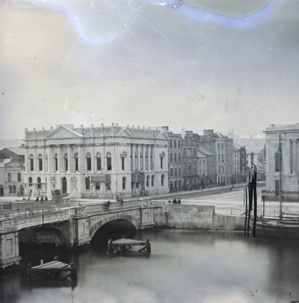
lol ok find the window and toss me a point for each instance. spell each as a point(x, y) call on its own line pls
point(161, 162)
point(40, 162)
point(39, 184)
point(147, 180)
point(76, 162)
point(87, 183)
point(14, 189)
point(123, 163)
point(31, 162)
point(170, 143)
point(218, 146)
point(19, 177)
point(179, 144)
point(175, 172)
point(162, 179)
point(180, 172)
point(88, 161)
point(170, 157)
point(99, 161)
point(109, 161)
point(124, 183)
point(175, 157)
point(171, 171)
point(174, 143)
point(179, 157)
point(56, 162)
point(277, 162)
point(153, 180)
point(66, 163)
point(98, 185)
point(10, 189)
point(9, 177)
point(30, 181)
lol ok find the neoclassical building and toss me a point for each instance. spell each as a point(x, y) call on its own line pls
point(89, 162)
point(286, 136)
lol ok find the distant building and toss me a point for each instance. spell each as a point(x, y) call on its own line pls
point(11, 178)
point(222, 147)
point(175, 162)
point(13, 153)
point(190, 144)
point(289, 161)
point(104, 162)
point(243, 163)
point(207, 167)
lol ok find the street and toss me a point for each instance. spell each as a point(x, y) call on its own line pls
point(233, 203)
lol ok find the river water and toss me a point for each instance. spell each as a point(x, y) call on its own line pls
point(185, 266)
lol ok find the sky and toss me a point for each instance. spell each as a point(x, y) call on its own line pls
point(198, 64)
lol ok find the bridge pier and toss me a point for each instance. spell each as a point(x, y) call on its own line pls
point(9, 245)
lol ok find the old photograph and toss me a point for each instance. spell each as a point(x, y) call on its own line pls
point(149, 151)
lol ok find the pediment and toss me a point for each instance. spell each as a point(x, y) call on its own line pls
point(163, 135)
point(63, 133)
point(124, 133)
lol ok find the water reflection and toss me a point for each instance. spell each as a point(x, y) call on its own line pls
point(185, 266)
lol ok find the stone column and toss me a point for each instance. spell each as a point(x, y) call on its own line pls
point(70, 158)
point(50, 155)
point(149, 156)
point(133, 156)
point(138, 157)
point(143, 151)
point(59, 158)
point(93, 160)
point(80, 166)
point(295, 157)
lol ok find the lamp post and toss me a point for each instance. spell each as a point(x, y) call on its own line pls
point(280, 181)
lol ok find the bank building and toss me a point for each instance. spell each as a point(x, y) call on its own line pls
point(96, 162)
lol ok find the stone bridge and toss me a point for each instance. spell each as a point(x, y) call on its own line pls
point(76, 226)
point(69, 226)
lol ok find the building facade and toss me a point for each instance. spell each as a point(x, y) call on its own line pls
point(285, 137)
point(104, 162)
point(190, 159)
point(11, 178)
point(175, 162)
point(222, 147)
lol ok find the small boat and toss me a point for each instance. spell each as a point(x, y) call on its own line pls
point(52, 271)
point(124, 246)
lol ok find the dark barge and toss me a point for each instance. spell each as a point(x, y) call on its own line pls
point(126, 246)
point(52, 271)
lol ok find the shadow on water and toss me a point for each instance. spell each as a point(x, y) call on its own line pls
point(112, 230)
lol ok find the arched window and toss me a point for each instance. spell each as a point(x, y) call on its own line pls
point(153, 180)
point(31, 162)
point(99, 161)
point(109, 161)
point(87, 183)
point(124, 183)
point(39, 183)
point(14, 189)
point(30, 181)
point(88, 161)
point(162, 180)
point(40, 162)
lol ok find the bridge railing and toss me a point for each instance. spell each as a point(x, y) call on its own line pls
point(38, 217)
point(117, 206)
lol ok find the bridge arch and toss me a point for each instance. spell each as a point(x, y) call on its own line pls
point(122, 218)
point(42, 234)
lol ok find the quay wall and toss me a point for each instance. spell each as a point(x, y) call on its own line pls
point(196, 217)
